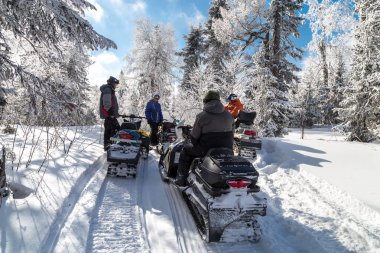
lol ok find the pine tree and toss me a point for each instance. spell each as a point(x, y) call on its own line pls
point(192, 54)
point(361, 111)
point(216, 51)
point(331, 23)
point(283, 22)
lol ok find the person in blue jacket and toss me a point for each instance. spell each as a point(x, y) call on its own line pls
point(154, 117)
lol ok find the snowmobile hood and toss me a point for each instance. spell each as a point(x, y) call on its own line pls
point(214, 106)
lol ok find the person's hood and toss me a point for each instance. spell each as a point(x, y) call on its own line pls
point(105, 86)
point(214, 106)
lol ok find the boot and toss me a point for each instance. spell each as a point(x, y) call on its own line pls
point(180, 181)
point(181, 174)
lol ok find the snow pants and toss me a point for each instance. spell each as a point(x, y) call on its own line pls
point(111, 126)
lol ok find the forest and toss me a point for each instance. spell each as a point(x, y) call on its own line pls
point(245, 47)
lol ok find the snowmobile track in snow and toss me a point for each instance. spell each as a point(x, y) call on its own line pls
point(116, 225)
point(188, 237)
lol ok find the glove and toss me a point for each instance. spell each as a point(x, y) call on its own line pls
point(110, 114)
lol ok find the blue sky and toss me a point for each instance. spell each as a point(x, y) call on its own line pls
point(115, 20)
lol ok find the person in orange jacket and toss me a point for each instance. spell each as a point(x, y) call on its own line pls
point(234, 106)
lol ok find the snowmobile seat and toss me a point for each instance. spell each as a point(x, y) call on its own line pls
point(247, 117)
point(167, 126)
point(220, 165)
point(131, 125)
point(216, 152)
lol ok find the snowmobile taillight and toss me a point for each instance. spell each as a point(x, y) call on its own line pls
point(250, 133)
point(172, 138)
point(239, 183)
point(126, 136)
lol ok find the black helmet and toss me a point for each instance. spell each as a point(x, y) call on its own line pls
point(112, 80)
point(232, 97)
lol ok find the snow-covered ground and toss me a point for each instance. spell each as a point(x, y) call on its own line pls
point(322, 197)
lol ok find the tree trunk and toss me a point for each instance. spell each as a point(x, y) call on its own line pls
point(3, 178)
point(322, 49)
point(276, 39)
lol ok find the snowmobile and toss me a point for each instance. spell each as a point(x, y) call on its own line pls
point(166, 135)
point(128, 145)
point(246, 141)
point(221, 192)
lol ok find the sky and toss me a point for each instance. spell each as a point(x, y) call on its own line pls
point(115, 20)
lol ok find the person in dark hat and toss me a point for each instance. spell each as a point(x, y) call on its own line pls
point(213, 128)
point(109, 109)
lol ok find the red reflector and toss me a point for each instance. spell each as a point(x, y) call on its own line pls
point(125, 136)
point(250, 132)
point(172, 138)
point(239, 184)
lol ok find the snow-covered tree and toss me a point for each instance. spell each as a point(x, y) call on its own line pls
point(251, 25)
point(243, 23)
point(63, 102)
point(192, 54)
point(332, 24)
point(43, 23)
point(284, 19)
point(217, 52)
point(361, 107)
point(305, 99)
point(151, 62)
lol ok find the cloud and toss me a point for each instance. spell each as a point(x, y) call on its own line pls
point(192, 20)
point(105, 64)
point(133, 8)
point(98, 14)
point(138, 6)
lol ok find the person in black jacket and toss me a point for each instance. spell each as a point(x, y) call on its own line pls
point(213, 128)
point(109, 109)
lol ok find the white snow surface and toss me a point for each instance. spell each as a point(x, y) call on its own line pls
point(322, 196)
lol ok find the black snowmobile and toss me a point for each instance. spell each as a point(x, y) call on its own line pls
point(221, 192)
point(166, 135)
point(128, 145)
point(246, 141)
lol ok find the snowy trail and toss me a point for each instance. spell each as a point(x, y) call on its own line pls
point(304, 213)
point(187, 233)
point(137, 215)
point(156, 216)
point(116, 224)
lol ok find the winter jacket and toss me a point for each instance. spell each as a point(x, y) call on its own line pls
point(213, 128)
point(153, 112)
point(234, 107)
point(108, 105)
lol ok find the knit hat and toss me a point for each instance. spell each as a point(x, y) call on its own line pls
point(112, 80)
point(211, 95)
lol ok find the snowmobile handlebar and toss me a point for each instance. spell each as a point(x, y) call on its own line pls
point(132, 116)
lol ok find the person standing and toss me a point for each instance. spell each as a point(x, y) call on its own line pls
point(154, 117)
point(109, 109)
